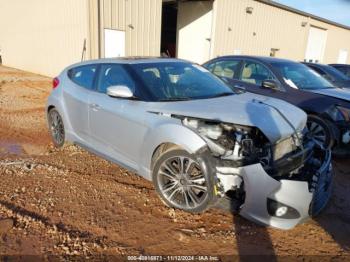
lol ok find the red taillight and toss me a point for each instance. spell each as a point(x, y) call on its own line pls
point(55, 83)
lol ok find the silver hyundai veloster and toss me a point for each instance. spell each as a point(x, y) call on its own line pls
point(202, 144)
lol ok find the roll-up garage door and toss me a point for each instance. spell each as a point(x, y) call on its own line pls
point(316, 44)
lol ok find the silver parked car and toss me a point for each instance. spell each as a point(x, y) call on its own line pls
point(201, 143)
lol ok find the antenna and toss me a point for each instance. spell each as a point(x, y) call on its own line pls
point(84, 51)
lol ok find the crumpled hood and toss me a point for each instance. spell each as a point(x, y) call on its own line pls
point(244, 109)
point(343, 94)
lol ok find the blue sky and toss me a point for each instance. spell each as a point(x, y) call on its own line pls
point(334, 10)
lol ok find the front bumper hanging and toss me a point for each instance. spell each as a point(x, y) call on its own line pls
point(301, 199)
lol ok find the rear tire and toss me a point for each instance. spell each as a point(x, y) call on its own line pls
point(56, 128)
point(320, 131)
point(182, 181)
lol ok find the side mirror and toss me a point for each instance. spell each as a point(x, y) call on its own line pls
point(270, 84)
point(119, 92)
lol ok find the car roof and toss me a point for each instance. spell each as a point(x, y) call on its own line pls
point(316, 64)
point(129, 60)
point(266, 59)
point(339, 65)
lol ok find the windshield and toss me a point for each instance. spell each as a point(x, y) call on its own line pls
point(300, 76)
point(339, 76)
point(173, 81)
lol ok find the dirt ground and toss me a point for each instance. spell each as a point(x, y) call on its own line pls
point(69, 202)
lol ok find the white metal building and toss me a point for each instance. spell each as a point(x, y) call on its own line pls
point(45, 36)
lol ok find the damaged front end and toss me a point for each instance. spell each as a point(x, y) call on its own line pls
point(278, 184)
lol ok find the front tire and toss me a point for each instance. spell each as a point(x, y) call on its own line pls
point(56, 128)
point(182, 181)
point(320, 132)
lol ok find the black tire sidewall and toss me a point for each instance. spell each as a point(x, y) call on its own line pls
point(50, 123)
point(325, 126)
point(205, 169)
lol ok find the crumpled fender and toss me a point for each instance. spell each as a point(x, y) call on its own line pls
point(169, 132)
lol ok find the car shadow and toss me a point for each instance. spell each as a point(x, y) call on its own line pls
point(253, 241)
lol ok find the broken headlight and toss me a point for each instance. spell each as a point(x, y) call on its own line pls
point(283, 148)
point(240, 144)
point(212, 131)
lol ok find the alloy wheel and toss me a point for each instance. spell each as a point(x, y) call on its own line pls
point(56, 127)
point(317, 133)
point(182, 182)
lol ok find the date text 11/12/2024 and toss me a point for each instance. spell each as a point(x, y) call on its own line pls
point(172, 258)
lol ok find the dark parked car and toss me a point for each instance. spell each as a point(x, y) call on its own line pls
point(328, 107)
point(332, 74)
point(344, 68)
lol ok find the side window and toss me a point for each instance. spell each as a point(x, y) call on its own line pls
point(344, 70)
point(113, 75)
point(321, 72)
point(83, 75)
point(256, 73)
point(210, 66)
point(227, 69)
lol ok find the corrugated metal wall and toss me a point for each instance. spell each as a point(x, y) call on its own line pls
point(46, 36)
point(269, 27)
point(94, 38)
point(140, 19)
point(337, 39)
point(255, 34)
point(42, 36)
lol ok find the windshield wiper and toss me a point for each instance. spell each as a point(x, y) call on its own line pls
point(223, 94)
point(174, 99)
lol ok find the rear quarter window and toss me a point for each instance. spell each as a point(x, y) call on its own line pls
point(83, 75)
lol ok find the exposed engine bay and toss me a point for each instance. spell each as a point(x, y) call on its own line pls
point(236, 146)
